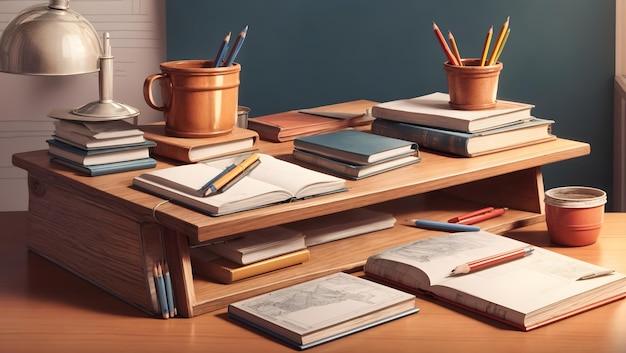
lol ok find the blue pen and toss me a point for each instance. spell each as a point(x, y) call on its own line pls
point(238, 43)
point(207, 188)
point(444, 226)
point(221, 51)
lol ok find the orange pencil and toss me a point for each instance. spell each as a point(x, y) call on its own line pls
point(492, 260)
point(496, 47)
point(483, 58)
point(455, 49)
point(444, 45)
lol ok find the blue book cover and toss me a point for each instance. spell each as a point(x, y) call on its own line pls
point(108, 168)
point(355, 147)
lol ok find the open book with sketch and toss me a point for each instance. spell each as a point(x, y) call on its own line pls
point(526, 293)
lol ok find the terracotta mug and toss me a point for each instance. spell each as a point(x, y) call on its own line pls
point(471, 86)
point(199, 100)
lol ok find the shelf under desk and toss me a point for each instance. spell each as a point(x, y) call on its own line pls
point(109, 233)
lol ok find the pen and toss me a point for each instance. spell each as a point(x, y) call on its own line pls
point(478, 216)
point(238, 43)
point(241, 175)
point(231, 174)
point(492, 260)
point(595, 274)
point(444, 226)
point(209, 183)
point(221, 51)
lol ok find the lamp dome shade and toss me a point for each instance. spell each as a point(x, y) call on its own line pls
point(49, 40)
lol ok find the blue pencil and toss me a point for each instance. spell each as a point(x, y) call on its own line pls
point(160, 289)
point(221, 51)
point(168, 290)
point(238, 43)
point(444, 226)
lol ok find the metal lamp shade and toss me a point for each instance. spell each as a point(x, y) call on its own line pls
point(49, 40)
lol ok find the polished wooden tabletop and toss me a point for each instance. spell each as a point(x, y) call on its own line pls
point(47, 309)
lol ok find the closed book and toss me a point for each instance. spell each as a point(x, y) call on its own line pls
point(100, 156)
point(531, 131)
point(433, 110)
point(526, 293)
point(324, 309)
point(355, 147)
point(354, 171)
point(191, 150)
point(96, 129)
point(272, 181)
point(222, 270)
point(90, 143)
point(289, 125)
point(107, 168)
point(341, 225)
point(257, 245)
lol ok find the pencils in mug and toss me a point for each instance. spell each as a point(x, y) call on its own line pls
point(493, 260)
point(444, 45)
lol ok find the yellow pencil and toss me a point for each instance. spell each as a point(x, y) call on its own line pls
point(483, 58)
point(455, 49)
point(506, 36)
point(496, 47)
point(232, 174)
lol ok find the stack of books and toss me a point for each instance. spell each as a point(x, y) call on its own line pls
point(98, 148)
point(355, 154)
point(430, 122)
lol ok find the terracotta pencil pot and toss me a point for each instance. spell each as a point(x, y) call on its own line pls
point(471, 86)
point(198, 99)
point(574, 214)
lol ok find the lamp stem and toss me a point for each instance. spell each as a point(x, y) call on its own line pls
point(106, 71)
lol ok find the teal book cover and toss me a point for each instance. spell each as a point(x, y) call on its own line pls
point(355, 146)
point(108, 168)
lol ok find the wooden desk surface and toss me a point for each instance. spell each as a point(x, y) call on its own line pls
point(47, 309)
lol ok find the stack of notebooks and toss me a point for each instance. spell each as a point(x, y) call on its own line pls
point(97, 148)
point(355, 154)
point(430, 122)
point(244, 255)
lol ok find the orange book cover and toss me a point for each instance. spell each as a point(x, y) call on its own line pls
point(191, 150)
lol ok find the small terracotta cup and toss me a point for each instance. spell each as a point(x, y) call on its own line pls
point(471, 86)
point(574, 214)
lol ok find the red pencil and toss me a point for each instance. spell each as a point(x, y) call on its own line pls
point(444, 45)
point(483, 217)
point(471, 214)
point(492, 260)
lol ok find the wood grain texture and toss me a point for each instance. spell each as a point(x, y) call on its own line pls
point(47, 309)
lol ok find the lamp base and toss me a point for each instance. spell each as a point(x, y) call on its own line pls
point(103, 111)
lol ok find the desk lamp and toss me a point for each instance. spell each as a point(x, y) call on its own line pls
point(52, 40)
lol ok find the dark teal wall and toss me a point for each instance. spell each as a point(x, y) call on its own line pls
point(560, 56)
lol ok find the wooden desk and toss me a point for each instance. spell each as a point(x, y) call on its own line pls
point(47, 309)
point(111, 233)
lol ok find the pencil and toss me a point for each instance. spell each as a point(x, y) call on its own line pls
point(496, 46)
point(483, 58)
point(444, 45)
point(232, 174)
point(492, 261)
point(221, 51)
point(483, 217)
point(169, 293)
point(160, 290)
point(455, 48)
point(236, 47)
point(506, 36)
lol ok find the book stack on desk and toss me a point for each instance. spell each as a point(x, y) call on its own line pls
point(354, 154)
point(248, 254)
point(97, 148)
point(430, 122)
point(191, 150)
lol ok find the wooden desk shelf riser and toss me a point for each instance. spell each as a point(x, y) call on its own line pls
point(108, 233)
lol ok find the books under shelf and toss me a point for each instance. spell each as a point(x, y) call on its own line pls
point(314, 312)
point(433, 110)
point(523, 133)
point(525, 293)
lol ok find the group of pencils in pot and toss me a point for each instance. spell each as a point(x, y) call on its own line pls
point(454, 56)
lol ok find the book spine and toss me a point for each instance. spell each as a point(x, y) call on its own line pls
point(171, 151)
point(426, 138)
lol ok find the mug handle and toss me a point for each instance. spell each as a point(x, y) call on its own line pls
point(147, 92)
